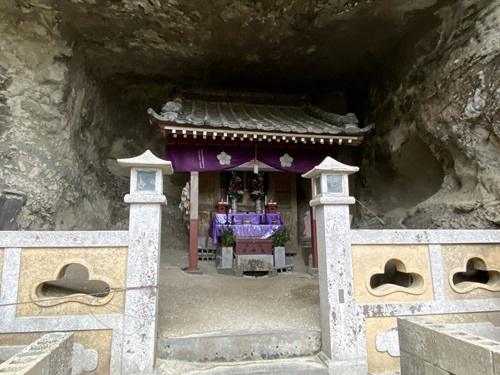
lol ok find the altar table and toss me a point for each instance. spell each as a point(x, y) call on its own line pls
point(259, 226)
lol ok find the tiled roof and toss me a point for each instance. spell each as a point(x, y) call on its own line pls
point(232, 115)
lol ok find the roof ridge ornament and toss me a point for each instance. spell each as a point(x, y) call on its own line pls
point(172, 109)
point(330, 117)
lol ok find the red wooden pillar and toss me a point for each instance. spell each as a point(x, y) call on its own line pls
point(314, 239)
point(193, 223)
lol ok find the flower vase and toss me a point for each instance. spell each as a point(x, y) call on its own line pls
point(234, 205)
point(258, 206)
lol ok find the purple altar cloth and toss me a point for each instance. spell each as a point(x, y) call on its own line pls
point(253, 229)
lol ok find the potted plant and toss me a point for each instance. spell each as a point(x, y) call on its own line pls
point(278, 239)
point(227, 237)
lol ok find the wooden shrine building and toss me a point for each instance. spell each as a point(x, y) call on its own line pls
point(211, 133)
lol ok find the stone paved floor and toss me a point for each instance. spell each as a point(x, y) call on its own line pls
point(209, 303)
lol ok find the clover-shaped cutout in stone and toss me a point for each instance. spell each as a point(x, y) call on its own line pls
point(395, 278)
point(476, 274)
point(71, 284)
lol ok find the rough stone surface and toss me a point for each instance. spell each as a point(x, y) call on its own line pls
point(304, 366)
point(443, 349)
point(286, 302)
point(51, 354)
point(248, 263)
point(432, 161)
point(279, 257)
point(9, 351)
point(484, 329)
point(10, 205)
point(411, 365)
point(342, 324)
point(241, 346)
point(226, 258)
point(49, 151)
point(140, 318)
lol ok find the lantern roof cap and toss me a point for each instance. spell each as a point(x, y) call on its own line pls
point(330, 165)
point(147, 160)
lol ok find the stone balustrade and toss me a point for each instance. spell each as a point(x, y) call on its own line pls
point(101, 285)
point(445, 275)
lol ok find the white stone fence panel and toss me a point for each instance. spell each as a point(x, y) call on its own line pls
point(448, 276)
point(101, 285)
point(368, 278)
point(50, 251)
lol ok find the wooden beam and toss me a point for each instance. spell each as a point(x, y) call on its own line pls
point(193, 223)
point(314, 239)
point(294, 211)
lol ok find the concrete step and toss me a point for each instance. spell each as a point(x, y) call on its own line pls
point(304, 366)
point(241, 346)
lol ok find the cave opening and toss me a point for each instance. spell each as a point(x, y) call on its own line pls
point(127, 83)
point(97, 68)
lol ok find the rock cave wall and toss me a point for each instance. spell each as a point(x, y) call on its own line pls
point(434, 160)
point(50, 148)
point(36, 155)
point(431, 163)
point(61, 131)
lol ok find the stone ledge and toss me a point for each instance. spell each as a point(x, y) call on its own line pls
point(51, 354)
point(241, 346)
point(64, 239)
point(436, 236)
point(434, 348)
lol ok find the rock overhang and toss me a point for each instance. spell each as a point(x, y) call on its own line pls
point(297, 45)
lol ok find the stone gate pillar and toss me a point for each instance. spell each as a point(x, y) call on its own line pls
point(140, 321)
point(342, 325)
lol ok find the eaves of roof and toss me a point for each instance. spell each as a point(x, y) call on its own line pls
point(257, 122)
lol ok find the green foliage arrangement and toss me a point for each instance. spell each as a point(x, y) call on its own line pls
point(280, 237)
point(227, 237)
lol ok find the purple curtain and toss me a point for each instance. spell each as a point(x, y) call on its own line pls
point(191, 158)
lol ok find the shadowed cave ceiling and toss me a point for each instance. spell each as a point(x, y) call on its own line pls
point(271, 44)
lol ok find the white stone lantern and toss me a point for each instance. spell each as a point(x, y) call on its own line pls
point(339, 314)
point(146, 177)
point(330, 182)
point(143, 268)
